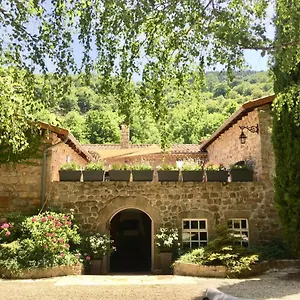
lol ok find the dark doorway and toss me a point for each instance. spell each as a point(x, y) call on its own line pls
point(131, 231)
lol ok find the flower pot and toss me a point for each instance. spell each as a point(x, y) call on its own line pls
point(220, 176)
point(241, 175)
point(192, 176)
point(168, 175)
point(119, 175)
point(165, 262)
point(93, 175)
point(142, 175)
point(69, 175)
point(96, 265)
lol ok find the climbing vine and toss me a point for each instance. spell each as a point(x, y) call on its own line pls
point(286, 122)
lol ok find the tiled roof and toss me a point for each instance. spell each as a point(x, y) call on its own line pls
point(235, 117)
point(176, 148)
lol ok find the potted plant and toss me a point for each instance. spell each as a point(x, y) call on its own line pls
point(119, 172)
point(166, 240)
point(94, 171)
point(70, 172)
point(142, 172)
point(96, 247)
point(242, 172)
point(167, 173)
point(216, 173)
point(192, 171)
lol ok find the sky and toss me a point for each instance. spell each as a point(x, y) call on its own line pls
point(253, 57)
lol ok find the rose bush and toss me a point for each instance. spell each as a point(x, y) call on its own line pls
point(47, 240)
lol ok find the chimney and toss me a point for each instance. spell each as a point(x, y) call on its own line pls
point(125, 139)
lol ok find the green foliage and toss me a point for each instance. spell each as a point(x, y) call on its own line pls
point(215, 167)
point(71, 166)
point(276, 249)
point(176, 43)
point(286, 121)
point(122, 167)
point(46, 241)
point(94, 166)
point(191, 165)
point(224, 250)
point(167, 167)
point(166, 239)
point(95, 246)
point(102, 127)
point(144, 165)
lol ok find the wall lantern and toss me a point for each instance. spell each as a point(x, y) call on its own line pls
point(252, 129)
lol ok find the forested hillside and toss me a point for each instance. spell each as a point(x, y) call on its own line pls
point(94, 117)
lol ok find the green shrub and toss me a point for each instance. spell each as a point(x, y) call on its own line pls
point(46, 241)
point(96, 166)
point(71, 166)
point(276, 249)
point(226, 251)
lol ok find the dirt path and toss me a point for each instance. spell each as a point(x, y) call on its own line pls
point(276, 284)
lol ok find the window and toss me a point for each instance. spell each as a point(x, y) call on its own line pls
point(194, 233)
point(240, 229)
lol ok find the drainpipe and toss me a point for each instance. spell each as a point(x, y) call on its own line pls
point(45, 169)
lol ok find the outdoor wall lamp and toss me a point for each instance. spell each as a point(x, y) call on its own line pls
point(252, 129)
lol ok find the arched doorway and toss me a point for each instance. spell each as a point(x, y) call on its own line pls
point(131, 231)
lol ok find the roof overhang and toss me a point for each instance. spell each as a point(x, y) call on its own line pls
point(71, 141)
point(235, 117)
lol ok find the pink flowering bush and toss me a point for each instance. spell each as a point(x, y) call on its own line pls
point(47, 240)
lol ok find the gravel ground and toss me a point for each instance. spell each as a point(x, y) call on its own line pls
point(276, 284)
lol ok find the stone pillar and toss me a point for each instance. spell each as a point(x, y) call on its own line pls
point(125, 138)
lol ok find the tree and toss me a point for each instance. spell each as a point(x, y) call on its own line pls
point(102, 127)
point(286, 122)
point(16, 114)
point(172, 40)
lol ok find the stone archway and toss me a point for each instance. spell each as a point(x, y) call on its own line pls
point(131, 230)
point(118, 204)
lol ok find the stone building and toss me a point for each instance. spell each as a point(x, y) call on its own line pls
point(132, 212)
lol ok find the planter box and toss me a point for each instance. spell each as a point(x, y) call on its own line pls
point(69, 175)
point(119, 175)
point(93, 175)
point(168, 175)
point(44, 273)
point(220, 176)
point(186, 269)
point(241, 175)
point(192, 175)
point(142, 175)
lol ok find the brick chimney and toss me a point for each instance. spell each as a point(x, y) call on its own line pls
point(125, 138)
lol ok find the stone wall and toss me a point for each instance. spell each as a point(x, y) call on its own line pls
point(227, 148)
point(20, 187)
point(95, 203)
point(58, 156)
point(21, 184)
